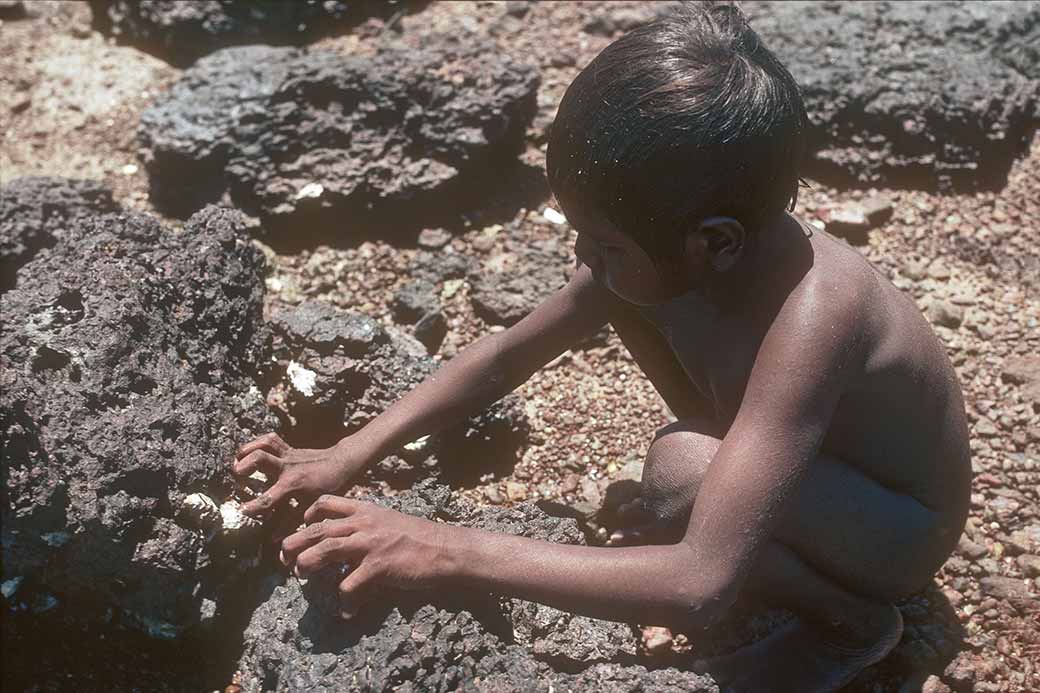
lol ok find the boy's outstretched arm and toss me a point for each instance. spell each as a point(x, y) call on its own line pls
point(483, 373)
point(802, 368)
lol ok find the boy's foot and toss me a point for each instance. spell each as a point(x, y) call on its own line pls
point(806, 659)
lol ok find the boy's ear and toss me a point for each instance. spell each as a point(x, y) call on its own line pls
point(719, 241)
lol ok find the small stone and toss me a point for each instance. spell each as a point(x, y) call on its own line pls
point(915, 270)
point(1029, 565)
point(657, 639)
point(517, 8)
point(1003, 587)
point(414, 300)
point(493, 495)
point(432, 239)
point(933, 684)
point(451, 287)
point(570, 483)
point(970, 549)
point(945, 314)
point(516, 491)
point(986, 428)
point(853, 220)
point(938, 270)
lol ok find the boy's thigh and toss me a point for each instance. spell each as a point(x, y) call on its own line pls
point(863, 535)
point(849, 527)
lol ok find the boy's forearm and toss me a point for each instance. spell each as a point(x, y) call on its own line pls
point(646, 584)
point(466, 384)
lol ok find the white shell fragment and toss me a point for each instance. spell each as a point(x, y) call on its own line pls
point(310, 190)
point(417, 445)
point(302, 379)
point(233, 519)
point(555, 217)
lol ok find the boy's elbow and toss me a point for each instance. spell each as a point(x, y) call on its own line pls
point(707, 608)
point(703, 600)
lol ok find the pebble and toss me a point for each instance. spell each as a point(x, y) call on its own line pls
point(657, 639)
point(516, 491)
point(970, 549)
point(431, 239)
point(1004, 587)
point(944, 313)
point(1029, 565)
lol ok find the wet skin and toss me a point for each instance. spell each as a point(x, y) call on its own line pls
point(820, 460)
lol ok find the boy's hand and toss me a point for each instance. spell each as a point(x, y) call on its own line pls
point(376, 544)
point(301, 473)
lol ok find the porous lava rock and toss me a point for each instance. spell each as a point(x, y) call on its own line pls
point(187, 135)
point(929, 95)
point(448, 641)
point(513, 283)
point(36, 211)
point(127, 365)
point(327, 143)
point(182, 32)
point(342, 369)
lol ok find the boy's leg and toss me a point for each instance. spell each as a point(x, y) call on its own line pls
point(846, 550)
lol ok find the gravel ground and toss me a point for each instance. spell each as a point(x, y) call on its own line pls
point(69, 103)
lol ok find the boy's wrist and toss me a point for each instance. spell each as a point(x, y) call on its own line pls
point(458, 549)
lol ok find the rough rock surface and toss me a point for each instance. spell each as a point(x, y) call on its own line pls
point(126, 381)
point(187, 135)
point(325, 142)
point(181, 32)
point(521, 278)
point(342, 369)
point(36, 211)
point(477, 642)
point(919, 94)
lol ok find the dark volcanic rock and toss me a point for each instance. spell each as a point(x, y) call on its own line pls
point(911, 94)
point(525, 276)
point(436, 267)
point(464, 641)
point(343, 369)
point(187, 135)
point(414, 300)
point(344, 136)
point(181, 32)
point(324, 142)
point(127, 366)
point(36, 212)
point(12, 9)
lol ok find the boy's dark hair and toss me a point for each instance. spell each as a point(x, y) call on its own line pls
point(686, 117)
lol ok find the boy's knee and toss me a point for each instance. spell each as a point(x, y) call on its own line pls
point(675, 465)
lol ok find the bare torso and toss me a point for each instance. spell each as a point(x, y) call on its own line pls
point(901, 419)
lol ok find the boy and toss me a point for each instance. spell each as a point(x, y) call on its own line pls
point(820, 460)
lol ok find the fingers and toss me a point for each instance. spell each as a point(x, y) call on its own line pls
point(271, 442)
point(300, 541)
point(268, 500)
point(331, 551)
point(329, 507)
point(258, 460)
point(357, 589)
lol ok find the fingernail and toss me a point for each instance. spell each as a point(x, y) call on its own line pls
point(281, 557)
point(296, 571)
